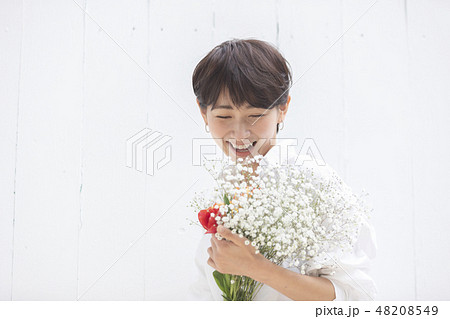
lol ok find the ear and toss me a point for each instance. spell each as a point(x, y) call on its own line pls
point(202, 111)
point(283, 110)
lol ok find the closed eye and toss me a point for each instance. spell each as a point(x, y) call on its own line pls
point(226, 117)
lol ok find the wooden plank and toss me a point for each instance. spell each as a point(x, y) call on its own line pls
point(11, 38)
point(48, 153)
point(115, 108)
point(309, 35)
point(429, 48)
point(377, 137)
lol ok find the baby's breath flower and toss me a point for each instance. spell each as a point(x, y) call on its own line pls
point(287, 212)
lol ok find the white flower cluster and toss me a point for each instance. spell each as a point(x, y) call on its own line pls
point(287, 212)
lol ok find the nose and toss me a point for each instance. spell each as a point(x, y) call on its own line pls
point(241, 130)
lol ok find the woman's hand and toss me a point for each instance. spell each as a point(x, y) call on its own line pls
point(232, 256)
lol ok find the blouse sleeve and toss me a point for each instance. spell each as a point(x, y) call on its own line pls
point(351, 278)
point(199, 288)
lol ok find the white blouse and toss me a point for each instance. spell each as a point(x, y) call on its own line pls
point(351, 278)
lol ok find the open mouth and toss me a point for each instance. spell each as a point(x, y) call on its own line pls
point(243, 151)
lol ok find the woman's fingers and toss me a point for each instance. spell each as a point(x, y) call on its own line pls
point(227, 235)
point(210, 251)
point(211, 263)
point(213, 242)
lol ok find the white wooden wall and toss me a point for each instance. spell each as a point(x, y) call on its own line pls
point(76, 222)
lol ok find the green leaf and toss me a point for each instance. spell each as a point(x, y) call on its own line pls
point(225, 199)
point(221, 281)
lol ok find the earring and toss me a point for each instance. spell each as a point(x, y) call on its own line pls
point(207, 130)
point(281, 126)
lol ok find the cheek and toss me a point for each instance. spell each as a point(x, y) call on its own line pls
point(218, 128)
point(265, 126)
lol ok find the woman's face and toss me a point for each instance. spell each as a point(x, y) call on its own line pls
point(253, 129)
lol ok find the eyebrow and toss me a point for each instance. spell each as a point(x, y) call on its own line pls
point(229, 107)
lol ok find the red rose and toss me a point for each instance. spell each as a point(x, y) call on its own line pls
point(209, 222)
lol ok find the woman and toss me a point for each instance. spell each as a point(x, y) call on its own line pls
point(242, 90)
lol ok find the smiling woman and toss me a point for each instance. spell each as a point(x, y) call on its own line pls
point(242, 91)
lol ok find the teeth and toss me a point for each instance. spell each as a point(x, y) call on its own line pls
point(242, 147)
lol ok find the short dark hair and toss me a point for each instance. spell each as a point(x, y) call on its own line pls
point(251, 70)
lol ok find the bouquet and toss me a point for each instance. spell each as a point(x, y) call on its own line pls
point(291, 214)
